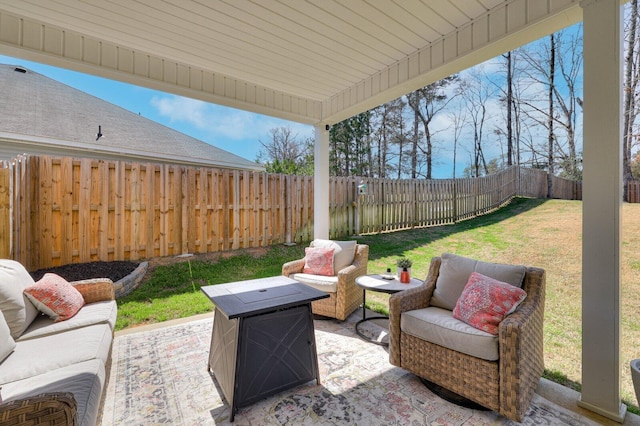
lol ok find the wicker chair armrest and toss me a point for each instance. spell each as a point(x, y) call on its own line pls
point(408, 300)
point(59, 408)
point(361, 257)
point(347, 279)
point(521, 347)
point(293, 267)
point(95, 289)
point(347, 292)
point(416, 298)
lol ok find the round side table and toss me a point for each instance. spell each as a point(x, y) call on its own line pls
point(375, 282)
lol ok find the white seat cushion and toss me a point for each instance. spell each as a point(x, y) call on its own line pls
point(37, 356)
point(454, 274)
point(94, 313)
point(319, 282)
point(84, 380)
point(437, 325)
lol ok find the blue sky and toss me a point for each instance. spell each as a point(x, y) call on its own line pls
point(230, 129)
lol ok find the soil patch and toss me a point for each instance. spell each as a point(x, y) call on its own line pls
point(119, 269)
point(82, 271)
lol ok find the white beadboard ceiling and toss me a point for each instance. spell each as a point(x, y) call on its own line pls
point(312, 61)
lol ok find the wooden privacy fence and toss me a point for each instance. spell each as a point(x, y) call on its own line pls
point(633, 191)
point(56, 211)
point(79, 210)
point(391, 205)
point(533, 183)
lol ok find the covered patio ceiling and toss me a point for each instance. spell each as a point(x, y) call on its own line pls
point(322, 61)
point(307, 61)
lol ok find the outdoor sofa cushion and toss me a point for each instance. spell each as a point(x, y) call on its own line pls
point(318, 261)
point(55, 297)
point(437, 325)
point(454, 274)
point(7, 344)
point(319, 282)
point(485, 302)
point(94, 313)
point(343, 254)
point(85, 380)
point(18, 311)
point(37, 356)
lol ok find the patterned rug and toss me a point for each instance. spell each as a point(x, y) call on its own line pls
point(160, 377)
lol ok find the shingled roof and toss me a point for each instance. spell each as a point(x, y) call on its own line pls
point(43, 116)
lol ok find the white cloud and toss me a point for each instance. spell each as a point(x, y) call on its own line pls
point(220, 121)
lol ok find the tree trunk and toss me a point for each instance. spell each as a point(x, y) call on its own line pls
point(552, 65)
point(414, 145)
point(509, 107)
point(629, 98)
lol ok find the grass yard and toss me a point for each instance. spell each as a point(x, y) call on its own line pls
point(543, 233)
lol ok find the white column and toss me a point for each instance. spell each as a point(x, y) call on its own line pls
point(321, 183)
point(601, 209)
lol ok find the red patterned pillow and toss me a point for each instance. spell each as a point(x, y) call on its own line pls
point(485, 302)
point(55, 297)
point(318, 261)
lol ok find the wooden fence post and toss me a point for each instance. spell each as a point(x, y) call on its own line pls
point(6, 233)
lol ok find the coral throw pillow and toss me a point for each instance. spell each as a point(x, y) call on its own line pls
point(55, 297)
point(485, 302)
point(318, 261)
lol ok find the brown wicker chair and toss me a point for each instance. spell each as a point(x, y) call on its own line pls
point(506, 385)
point(348, 296)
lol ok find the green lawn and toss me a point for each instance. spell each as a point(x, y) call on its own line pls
point(532, 232)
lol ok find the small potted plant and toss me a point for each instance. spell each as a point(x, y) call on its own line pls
point(404, 263)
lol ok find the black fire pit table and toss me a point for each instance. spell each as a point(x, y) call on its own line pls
point(263, 340)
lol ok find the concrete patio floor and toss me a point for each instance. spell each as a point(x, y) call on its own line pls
point(560, 395)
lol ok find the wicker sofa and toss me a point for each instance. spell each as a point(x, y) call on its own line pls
point(504, 374)
point(344, 295)
point(54, 372)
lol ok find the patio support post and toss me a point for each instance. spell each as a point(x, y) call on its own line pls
point(601, 209)
point(321, 182)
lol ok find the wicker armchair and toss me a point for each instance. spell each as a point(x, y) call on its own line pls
point(505, 385)
point(348, 296)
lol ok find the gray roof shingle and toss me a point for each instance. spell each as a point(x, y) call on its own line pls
point(37, 108)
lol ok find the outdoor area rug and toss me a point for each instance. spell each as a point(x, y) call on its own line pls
point(160, 377)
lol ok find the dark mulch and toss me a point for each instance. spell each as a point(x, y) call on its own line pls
point(82, 271)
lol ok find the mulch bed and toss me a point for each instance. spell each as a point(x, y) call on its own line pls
point(117, 270)
point(82, 271)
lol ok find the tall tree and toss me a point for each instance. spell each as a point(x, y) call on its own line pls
point(560, 123)
point(476, 94)
point(286, 153)
point(552, 73)
point(350, 144)
point(630, 92)
point(458, 119)
point(386, 123)
point(509, 102)
point(426, 103)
